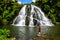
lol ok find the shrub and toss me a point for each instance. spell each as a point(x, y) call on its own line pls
point(4, 33)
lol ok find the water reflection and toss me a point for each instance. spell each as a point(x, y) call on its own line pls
point(31, 33)
point(44, 30)
point(24, 33)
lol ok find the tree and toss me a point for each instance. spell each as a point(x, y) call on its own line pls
point(8, 11)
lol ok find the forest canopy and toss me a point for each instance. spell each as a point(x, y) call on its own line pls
point(8, 11)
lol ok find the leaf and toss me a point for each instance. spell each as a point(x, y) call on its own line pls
point(46, 7)
point(44, 1)
point(0, 17)
point(58, 4)
point(5, 21)
point(52, 10)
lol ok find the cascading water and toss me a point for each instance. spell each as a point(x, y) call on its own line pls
point(35, 13)
point(20, 19)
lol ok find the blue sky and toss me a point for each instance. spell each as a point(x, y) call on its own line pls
point(25, 1)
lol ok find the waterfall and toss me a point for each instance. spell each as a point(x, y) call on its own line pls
point(20, 19)
point(36, 12)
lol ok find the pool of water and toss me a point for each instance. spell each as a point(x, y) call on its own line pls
point(27, 33)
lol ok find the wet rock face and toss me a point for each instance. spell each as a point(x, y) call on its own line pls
point(28, 10)
point(31, 15)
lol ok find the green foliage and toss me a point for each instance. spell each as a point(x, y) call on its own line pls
point(58, 4)
point(5, 21)
point(51, 9)
point(44, 1)
point(0, 17)
point(8, 11)
point(4, 33)
point(46, 7)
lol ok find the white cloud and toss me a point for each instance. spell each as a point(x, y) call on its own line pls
point(19, 2)
point(33, 0)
